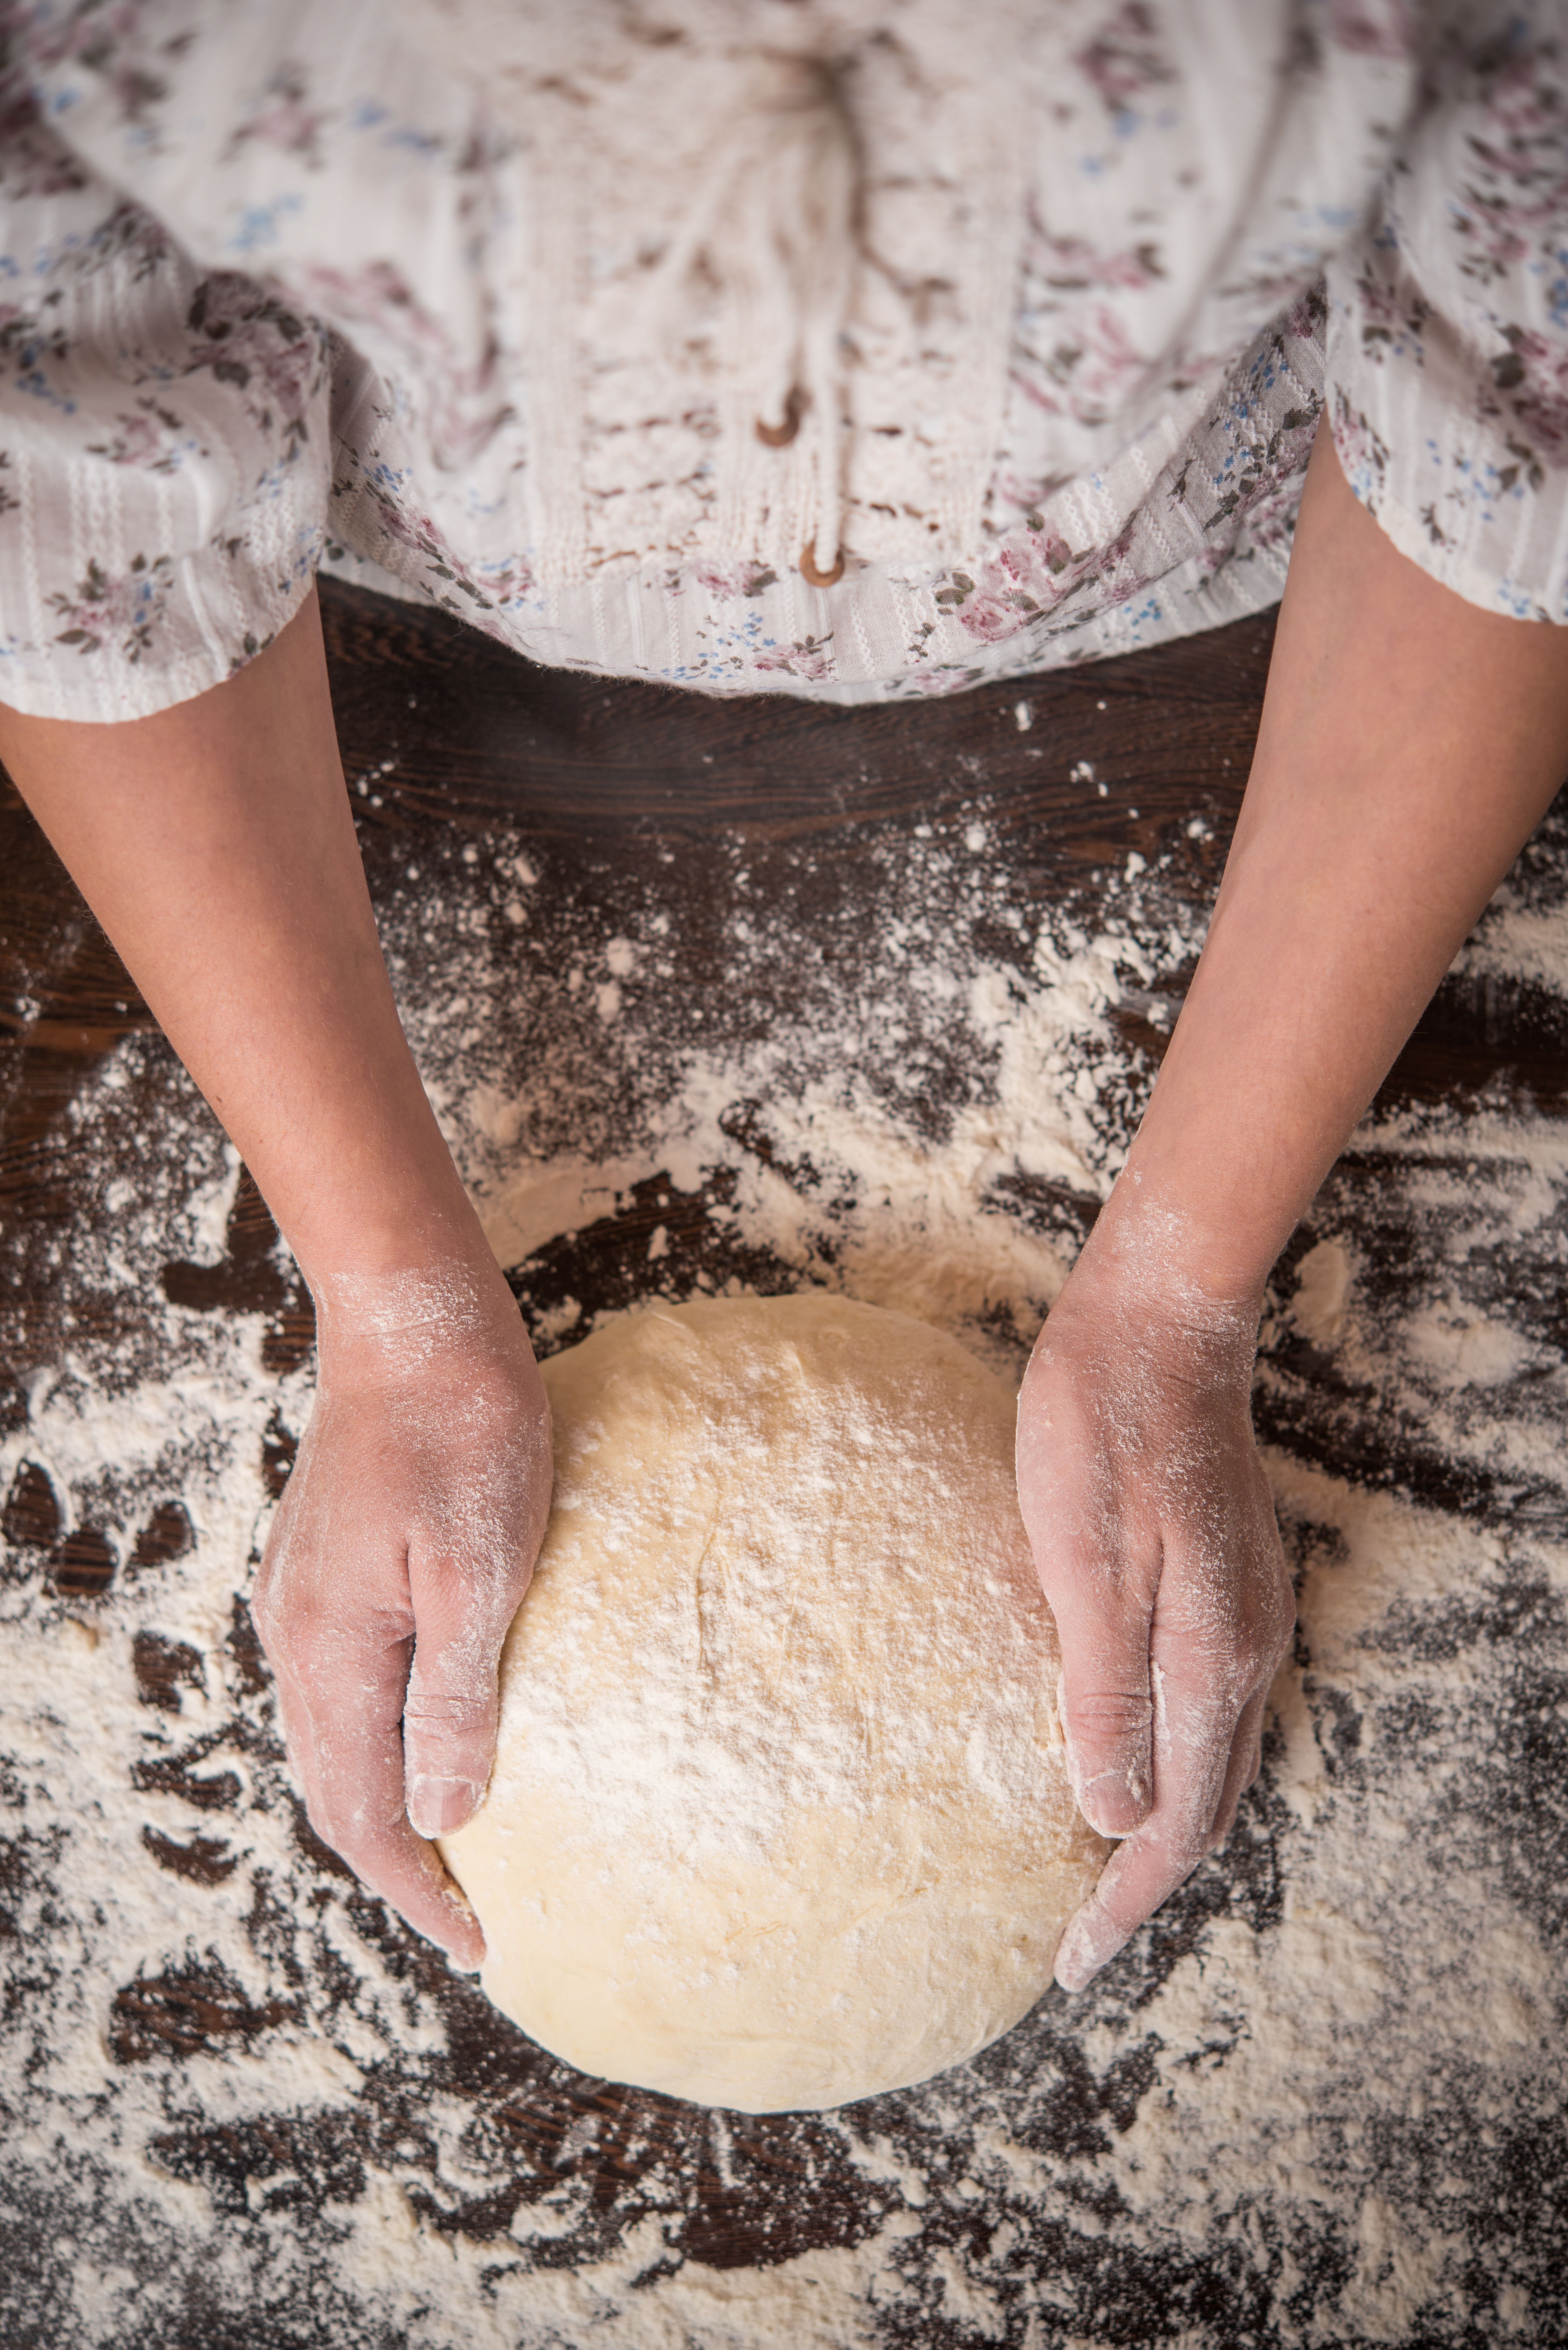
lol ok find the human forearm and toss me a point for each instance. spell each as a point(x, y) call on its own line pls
point(215, 845)
point(1409, 744)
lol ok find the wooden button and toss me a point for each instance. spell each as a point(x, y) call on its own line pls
point(815, 579)
point(779, 436)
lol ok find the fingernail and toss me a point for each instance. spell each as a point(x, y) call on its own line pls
point(1076, 1963)
point(437, 1805)
point(1105, 1800)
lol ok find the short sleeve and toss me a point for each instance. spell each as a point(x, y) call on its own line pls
point(166, 450)
point(1447, 330)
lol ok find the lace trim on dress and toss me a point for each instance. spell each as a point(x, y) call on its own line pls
point(778, 279)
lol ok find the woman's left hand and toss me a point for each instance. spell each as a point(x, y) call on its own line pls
point(1153, 1531)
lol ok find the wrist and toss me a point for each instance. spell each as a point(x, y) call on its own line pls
point(393, 1322)
point(1162, 1256)
point(1144, 1291)
point(402, 1254)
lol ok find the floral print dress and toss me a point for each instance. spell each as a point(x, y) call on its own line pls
point(845, 348)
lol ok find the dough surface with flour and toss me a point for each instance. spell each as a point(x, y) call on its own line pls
point(780, 1816)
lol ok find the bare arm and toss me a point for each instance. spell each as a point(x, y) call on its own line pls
point(215, 845)
point(1409, 744)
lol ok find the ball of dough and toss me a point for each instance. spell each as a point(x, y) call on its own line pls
point(780, 1815)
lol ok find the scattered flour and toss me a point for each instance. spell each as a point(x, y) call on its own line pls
point(1323, 1285)
point(1316, 2101)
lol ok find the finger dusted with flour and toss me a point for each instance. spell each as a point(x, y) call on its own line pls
point(1153, 1531)
point(402, 1547)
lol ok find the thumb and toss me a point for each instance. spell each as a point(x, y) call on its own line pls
point(1099, 1568)
point(449, 1708)
point(1107, 1707)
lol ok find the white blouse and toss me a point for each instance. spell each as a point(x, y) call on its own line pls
point(845, 348)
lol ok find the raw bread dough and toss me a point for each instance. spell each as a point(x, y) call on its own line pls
point(780, 1815)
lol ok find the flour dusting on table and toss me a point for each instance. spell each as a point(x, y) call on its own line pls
point(1291, 2098)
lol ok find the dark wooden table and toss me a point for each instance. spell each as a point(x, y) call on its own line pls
point(448, 743)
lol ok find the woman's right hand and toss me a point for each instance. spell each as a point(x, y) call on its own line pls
point(215, 842)
point(402, 1546)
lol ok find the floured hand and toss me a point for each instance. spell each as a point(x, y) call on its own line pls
point(1153, 1533)
point(400, 1551)
point(1411, 740)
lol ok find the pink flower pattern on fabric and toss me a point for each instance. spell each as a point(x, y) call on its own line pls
point(289, 368)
